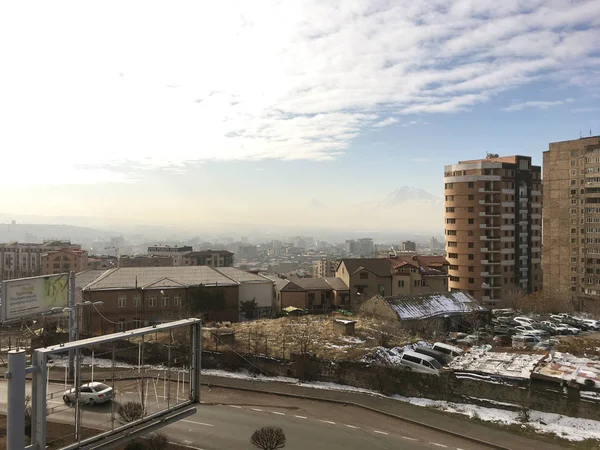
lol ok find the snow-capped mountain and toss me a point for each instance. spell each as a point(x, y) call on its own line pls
point(409, 195)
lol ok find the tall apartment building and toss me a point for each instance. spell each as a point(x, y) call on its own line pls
point(214, 258)
point(21, 260)
point(325, 268)
point(493, 227)
point(571, 258)
point(409, 246)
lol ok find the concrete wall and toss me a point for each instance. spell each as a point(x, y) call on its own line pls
point(261, 292)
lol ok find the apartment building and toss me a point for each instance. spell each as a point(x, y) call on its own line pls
point(571, 232)
point(63, 261)
point(360, 247)
point(145, 261)
point(175, 252)
point(324, 268)
point(20, 260)
point(493, 210)
point(214, 258)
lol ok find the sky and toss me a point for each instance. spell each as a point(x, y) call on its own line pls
point(280, 112)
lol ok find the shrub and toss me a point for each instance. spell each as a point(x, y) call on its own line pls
point(130, 411)
point(135, 445)
point(268, 438)
point(157, 441)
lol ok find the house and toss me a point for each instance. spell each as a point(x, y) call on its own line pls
point(214, 258)
point(396, 274)
point(313, 294)
point(252, 287)
point(441, 310)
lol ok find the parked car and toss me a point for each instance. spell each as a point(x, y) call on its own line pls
point(523, 320)
point(420, 363)
point(448, 349)
point(592, 324)
point(90, 393)
point(542, 346)
point(524, 341)
point(440, 357)
point(501, 329)
point(502, 340)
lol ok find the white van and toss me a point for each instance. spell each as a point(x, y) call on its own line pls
point(418, 362)
point(448, 349)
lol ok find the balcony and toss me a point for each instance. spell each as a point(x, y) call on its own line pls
point(487, 226)
point(491, 238)
point(489, 214)
point(490, 190)
point(484, 274)
point(489, 202)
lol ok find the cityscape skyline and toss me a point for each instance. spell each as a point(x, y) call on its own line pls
point(301, 129)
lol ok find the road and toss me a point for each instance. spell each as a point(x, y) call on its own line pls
point(227, 418)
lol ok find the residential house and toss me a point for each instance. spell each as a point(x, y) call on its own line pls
point(406, 274)
point(313, 294)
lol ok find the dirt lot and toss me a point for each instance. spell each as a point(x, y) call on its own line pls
point(315, 334)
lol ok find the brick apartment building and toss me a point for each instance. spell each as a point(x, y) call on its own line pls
point(493, 218)
point(571, 231)
point(64, 260)
point(141, 296)
point(20, 260)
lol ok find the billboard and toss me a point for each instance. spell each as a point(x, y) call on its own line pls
point(26, 298)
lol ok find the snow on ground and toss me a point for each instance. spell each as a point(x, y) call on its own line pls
point(569, 428)
point(353, 340)
point(391, 356)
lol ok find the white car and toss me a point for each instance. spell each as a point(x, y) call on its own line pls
point(523, 320)
point(592, 324)
point(89, 394)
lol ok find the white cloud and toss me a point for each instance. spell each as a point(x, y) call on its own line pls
point(141, 85)
point(386, 122)
point(536, 104)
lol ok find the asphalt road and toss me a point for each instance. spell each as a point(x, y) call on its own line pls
point(227, 418)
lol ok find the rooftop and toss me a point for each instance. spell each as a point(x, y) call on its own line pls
point(164, 277)
point(424, 306)
point(209, 253)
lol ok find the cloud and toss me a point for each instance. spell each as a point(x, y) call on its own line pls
point(586, 109)
point(83, 85)
point(536, 104)
point(386, 122)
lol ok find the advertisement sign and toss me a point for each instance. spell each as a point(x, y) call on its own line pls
point(26, 298)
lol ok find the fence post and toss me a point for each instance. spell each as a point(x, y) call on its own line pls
point(15, 407)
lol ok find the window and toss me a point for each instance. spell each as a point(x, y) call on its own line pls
point(471, 269)
point(454, 278)
point(453, 267)
point(165, 302)
point(137, 322)
point(400, 283)
point(152, 302)
point(471, 257)
point(470, 233)
point(471, 280)
point(121, 325)
point(470, 184)
point(470, 245)
point(122, 302)
point(471, 221)
point(452, 244)
point(364, 275)
point(450, 220)
point(137, 302)
point(451, 232)
point(452, 255)
point(449, 209)
point(381, 290)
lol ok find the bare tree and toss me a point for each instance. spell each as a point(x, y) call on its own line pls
point(157, 441)
point(268, 438)
point(303, 334)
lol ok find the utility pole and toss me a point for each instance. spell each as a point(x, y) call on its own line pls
point(72, 323)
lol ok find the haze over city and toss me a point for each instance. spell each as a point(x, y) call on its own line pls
point(278, 113)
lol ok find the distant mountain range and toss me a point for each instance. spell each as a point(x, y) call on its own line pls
point(410, 195)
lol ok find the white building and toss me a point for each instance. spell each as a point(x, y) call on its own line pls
point(252, 287)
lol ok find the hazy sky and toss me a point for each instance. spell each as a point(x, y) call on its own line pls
point(178, 112)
